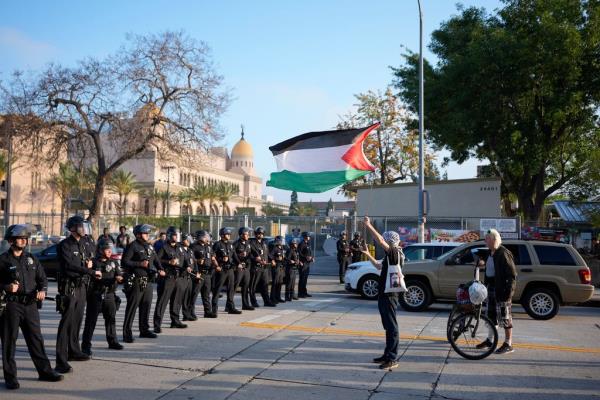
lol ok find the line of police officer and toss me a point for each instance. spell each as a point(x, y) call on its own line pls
point(182, 271)
point(348, 252)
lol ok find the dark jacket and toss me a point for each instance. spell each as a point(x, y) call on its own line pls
point(203, 254)
point(343, 249)
point(72, 255)
point(259, 249)
point(26, 268)
point(135, 254)
point(506, 274)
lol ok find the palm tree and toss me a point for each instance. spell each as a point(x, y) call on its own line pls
point(184, 198)
point(224, 193)
point(62, 183)
point(122, 183)
point(212, 194)
point(3, 165)
point(199, 191)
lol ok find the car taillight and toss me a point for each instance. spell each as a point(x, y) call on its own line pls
point(585, 276)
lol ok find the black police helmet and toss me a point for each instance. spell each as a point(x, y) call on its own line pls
point(201, 234)
point(74, 221)
point(225, 231)
point(279, 240)
point(243, 230)
point(143, 228)
point(294, 241)
point(343, 234)
point(356, 234)
point(171, 231)
point(17, 231)
point(187, 237)
point(259, 230)
point(104, 244)
point(305, 234)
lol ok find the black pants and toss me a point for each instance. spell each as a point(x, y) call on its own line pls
point(96, 303)
point(205, 286)
point(290, 283)
point(259, 281)
point(142, 298)
point(343, 263)
point(189, 299)
point(67, 338)
point(167, 290)
point(277, 275)
point(28, 319)
point(225, 277)
point(387, 304)
point(303, 279)
point(242, 280)
point(176, 303)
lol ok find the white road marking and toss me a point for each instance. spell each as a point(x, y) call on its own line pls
point(265, 318)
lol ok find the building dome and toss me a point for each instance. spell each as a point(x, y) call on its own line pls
point(242, 149)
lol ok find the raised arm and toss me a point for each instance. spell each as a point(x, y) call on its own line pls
point(376, 235)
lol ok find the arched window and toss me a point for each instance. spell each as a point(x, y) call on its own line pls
point(147, 206)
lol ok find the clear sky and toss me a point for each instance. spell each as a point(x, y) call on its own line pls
point(293, 66)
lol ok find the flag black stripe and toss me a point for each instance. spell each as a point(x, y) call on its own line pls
point(317, 140)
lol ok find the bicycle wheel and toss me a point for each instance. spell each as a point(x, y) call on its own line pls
point(466, 333)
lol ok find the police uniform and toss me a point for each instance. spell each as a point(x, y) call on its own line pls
point(260, 274)
point(203, 254)
point(356, 245)
point(291, 270)
point(306, 257)
point(241, 257)
point(22, 311)
point(186, 283)
point(137, 286)
point(73, 281)
point(343, 257)
point(277, 255)
point(169, 286)
point(224, 255)
point(102, 298)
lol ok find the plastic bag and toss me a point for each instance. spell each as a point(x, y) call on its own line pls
point(477, 293)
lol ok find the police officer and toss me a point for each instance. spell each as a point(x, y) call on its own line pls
point(241, 256)
point(306, 257)
point(343, 255)
point(225, 275)
point(173, 262)
point(260, 273)
point(356, 247)
point(75, 254)
point(23, 280)
point(140, 264)
point(291, 269)
point(102, 298)
point(189, 276)
point(277, 257)
point(205, 261)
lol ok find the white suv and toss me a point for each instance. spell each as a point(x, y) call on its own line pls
point(362, 277)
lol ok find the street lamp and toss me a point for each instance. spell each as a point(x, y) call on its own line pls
point(421, 226)
point(168, 168)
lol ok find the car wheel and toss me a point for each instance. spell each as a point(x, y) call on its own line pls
point(368, 287)
point(541, 303)
point(417, 296)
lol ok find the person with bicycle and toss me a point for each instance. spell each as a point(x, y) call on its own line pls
point(500, 279)
point(387, 302)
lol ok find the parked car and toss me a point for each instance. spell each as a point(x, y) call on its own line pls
point(549, 275)
point(362, 277)
point(49, 260)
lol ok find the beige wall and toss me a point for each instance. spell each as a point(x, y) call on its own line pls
point(458, 198)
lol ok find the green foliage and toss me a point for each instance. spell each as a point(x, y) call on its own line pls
point(293, 203)
point(270, 210)
point(518, 87)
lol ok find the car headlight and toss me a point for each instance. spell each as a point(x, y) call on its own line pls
point(353, 267)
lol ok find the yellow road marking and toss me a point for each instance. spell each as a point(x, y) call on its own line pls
point(351, 332)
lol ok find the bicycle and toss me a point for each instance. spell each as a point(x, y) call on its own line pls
point(468, 329)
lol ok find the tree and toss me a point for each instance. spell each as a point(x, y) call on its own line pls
point(185, 198)
point(293, 203)
point(3, 165)
point(62, 183)
point(329, 207)
point(518, 87)
point(307, 210)
point(123, 184)
point(270, 210)
point(157, 93)
point(224, 193)
point(393, 148)
point(199, 192)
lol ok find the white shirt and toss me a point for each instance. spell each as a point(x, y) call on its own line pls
point(490, 270)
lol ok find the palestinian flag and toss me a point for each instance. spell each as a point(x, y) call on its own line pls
point(318, 161)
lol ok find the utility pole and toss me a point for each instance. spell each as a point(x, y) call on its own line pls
point(421, 227)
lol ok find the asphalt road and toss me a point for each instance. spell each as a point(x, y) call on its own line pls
point(321, 348)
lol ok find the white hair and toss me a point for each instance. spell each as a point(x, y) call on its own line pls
point(495, 235)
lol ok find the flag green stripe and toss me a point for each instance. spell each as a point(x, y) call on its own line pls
point(314, 182)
